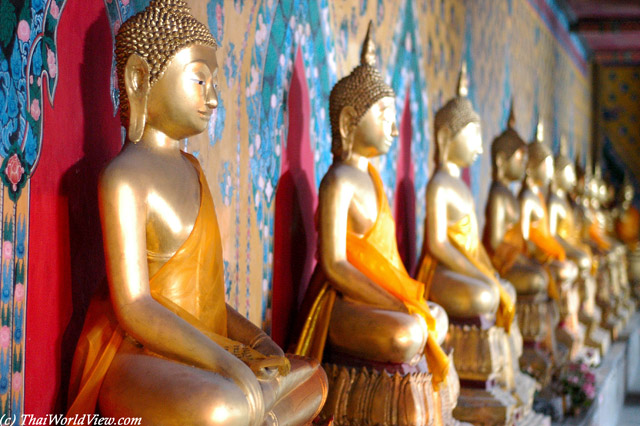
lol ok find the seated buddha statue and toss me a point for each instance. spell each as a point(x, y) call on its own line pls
point(506, 248)
point(164, 347)
point(604, 197)
point(454, 266)
point(590, 232)
point(627, 226)
point(542, 244)
point(362, 309)
point(562, 224)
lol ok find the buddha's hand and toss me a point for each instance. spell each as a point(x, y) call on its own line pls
point(263, 344)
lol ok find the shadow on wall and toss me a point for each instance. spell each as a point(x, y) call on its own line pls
point(79, 185)
point(295, 237)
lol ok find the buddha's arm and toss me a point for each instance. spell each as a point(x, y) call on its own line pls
point(437, 222)
point(123, 217)
point(497, 220)
point(244, 331)
point(555, 215)
point(334, 201)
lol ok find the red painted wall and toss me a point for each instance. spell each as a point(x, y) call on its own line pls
point(65, 248)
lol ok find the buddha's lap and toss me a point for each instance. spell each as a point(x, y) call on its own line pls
point(376, 334)
point(462, 296)
point(528, 278)
point(141, 384)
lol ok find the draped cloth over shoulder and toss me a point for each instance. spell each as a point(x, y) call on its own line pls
point(190, 284)
point(512, 245)
point(549, 248)
point(376, 255)
point(464, 237)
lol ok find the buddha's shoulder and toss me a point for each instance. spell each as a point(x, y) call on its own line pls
point(340, 175)
point(129, 167)
point(442, 179)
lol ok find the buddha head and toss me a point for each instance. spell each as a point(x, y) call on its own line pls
point(362, 109)
point(167, 71)
point(565, 174)
point(540, 163)
point(509, 152)
point(625, 194)
point(457, 128)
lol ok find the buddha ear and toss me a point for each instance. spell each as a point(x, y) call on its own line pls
point(500, 160)
point(442, 139)
point(348, 123)
point(136, 80)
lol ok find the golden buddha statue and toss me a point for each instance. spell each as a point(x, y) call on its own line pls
point(458, 274)
point(165, 347)
point(362, 313)
point(590, 233)
point(627, 226)
point(544, 246)
point(562, 224)
point(605, 215)
point(506, 247)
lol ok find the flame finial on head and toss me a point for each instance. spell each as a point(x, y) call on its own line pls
point(368, 53)
point(463, 81)
point(540, 131)
point(511, 121)
point(564, 145)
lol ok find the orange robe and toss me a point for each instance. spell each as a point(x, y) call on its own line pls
point(376, 255)
point(628, 227)
point(464, 237)
point(505, 255)
point(549, 248)
point(190, 284)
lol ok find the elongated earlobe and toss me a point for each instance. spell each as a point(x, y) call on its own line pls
point(347, 127)
point(136, 76)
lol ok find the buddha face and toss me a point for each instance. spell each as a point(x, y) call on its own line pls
point(376, 129)
point(543, 172)
point(181, 102)
point(466, 145)
point(627, 195)
point(566, 178)
point(516, 164)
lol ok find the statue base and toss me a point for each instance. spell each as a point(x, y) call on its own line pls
point(595, 337)
point(611, 323)
point(367, 396)
point(486, 407)
point(478, 352)
point(482, 359)
point(537, 319)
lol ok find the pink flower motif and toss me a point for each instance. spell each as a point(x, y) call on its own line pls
point(35, 109)
point(116, 26)
point(16, 381)
point(24, 32)
point(573, 380)
point(5, 337)
point(7, 250)
point(219, 18)
point(51, 62)
point(14, 172)
point(30, 79)
point(55, 10)
point(125, 2)
point(39, 81)
point(18, 293)
point(590, 391)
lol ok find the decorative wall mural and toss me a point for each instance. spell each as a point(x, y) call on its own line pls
point(508, 45)
point(28, 75)
point(619, 122)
